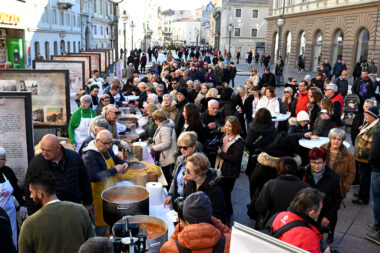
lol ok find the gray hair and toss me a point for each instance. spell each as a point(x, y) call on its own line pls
point(86, 99)
point(212, 101)
point(332, 86)
point(168, 96)
point(2, 151)
point(197, 81)
point(136, 79)
point(159, 85)
point(369, 101)
point(97, 244)
point(105, 108)
point(100, 123)
point(337, 132)
point(189, 81)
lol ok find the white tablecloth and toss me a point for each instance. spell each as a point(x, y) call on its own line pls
point(280, 117)
point(316, 143)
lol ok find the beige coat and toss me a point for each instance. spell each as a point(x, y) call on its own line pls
point(171, 111)
point(165, 141)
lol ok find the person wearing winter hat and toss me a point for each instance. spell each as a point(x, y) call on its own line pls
point(363, 143)
point(200, 231)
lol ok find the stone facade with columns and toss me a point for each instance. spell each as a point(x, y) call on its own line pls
point(331, 29)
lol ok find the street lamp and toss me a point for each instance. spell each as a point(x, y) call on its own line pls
point(132, 25)
point(148, 33)
point(230, 28)
point(124, 17)
point(280, 23)
point(115, 5)
point(197, 33)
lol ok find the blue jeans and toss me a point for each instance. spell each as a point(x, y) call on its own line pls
point(375, 194)
point(278, 79)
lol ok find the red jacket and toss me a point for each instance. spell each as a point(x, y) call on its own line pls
point(199, 238)
point(301, 237)
point(338, 97)
point(302, 102)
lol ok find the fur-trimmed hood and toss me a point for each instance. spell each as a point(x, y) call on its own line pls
point(271, 161)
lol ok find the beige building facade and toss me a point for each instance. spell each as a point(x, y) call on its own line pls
point(325, 30)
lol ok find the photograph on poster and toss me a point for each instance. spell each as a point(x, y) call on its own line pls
point(95, 59)
point(85, 59)
point(16, 130)
point(103, 64)
point(75, 68)
point(49, 90)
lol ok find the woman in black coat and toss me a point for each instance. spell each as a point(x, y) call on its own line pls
point(313, 107)
point(319, 176)
point(193, 122)
point(266, 168)
point(228, 161)
point(277, 193)
point(261, 133)
point(199, 177)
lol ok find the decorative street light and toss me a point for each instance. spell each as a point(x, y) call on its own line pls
point(132, 25)
point(197, 34)
point(280, 23)
point(124, 17)
point(115, 5)
point(148, 33)
point(230, 28)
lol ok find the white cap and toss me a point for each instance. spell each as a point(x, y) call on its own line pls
point(303, 116)
point(3, 151)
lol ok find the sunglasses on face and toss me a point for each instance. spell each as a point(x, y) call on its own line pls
point(184, 147)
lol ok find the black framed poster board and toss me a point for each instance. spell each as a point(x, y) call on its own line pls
point(75, 68)
point(85, 59)
point(16, 130)
point(95, 59)
point(50, 93)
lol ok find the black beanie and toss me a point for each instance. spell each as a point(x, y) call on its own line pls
point(197, 208)
point(182, 91)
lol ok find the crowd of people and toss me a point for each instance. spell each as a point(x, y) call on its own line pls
point(199, 129)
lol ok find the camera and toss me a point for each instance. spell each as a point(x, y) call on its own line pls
point(178, 206)
point(128, 237)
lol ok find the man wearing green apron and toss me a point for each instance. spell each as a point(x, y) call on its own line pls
point(103, 168)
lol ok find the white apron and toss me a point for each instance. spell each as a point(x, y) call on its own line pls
point(81, 132)
point(6, 202)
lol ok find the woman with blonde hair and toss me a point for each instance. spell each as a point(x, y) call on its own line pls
point(288, 102)
point(168, 106)
point(255, 78)
point(202, 93)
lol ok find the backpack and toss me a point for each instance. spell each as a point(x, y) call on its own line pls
point(218, 248)
point(277, 233)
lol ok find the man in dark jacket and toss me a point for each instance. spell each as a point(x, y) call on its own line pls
point(268, 78)
point(363, 87)
point(338, 68)
point(194, 74)
point(143, 63)
point(181, 102)
point(71, 175)
point(6, 233)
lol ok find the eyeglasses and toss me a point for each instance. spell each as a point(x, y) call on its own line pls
point(184, 147)
point(317, 163)
point(294, 81)
point(105, 143)
point(3, 159)
point(117, 113)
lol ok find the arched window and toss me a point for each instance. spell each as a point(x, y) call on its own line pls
point(68, 47)
point(302, 44)
point(338, 46)
point(63, 50)
point(317, 52)
point(36, 48)
point(47, 51)
point(74, 47)
point(55, 48)
point(362, 45)
point(288, 47)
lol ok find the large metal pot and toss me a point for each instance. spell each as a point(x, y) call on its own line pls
point(153, 245)
point(120, 201)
